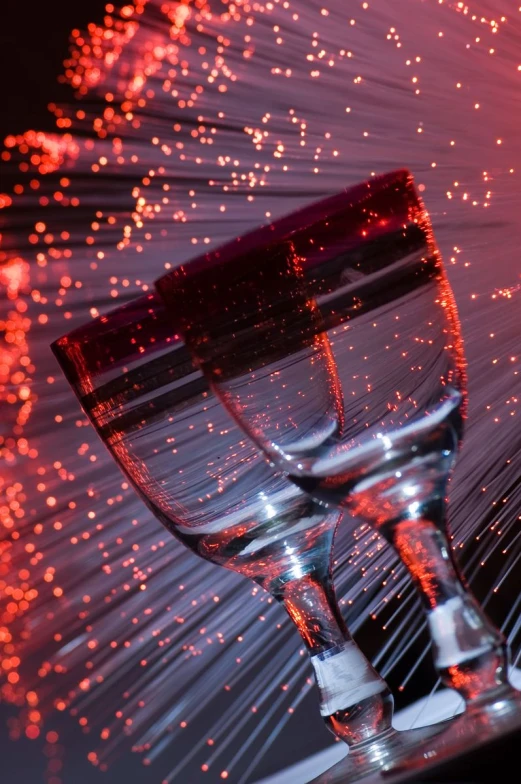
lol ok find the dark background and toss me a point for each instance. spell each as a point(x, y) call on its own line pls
point(33, 44)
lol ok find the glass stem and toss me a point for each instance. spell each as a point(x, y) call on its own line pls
point(470, 654)
point(355, 701)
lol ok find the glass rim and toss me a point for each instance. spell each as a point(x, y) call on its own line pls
point(283, 228)
point(94, 337)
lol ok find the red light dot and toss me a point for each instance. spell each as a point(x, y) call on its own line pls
point(32, 731)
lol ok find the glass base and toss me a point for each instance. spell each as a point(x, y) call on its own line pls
point(481, 725)
point(379, 754)
point(479, 737)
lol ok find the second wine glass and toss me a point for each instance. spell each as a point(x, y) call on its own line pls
point(332, 337)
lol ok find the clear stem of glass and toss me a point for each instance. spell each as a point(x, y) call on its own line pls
point(355, 701)
point(470, 654)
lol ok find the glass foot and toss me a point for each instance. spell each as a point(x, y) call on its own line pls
point(482, 727)
point(370, 759)
point(444, 751)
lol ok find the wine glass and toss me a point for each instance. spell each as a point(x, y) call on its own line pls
point(333, 339)
point(209, 486)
